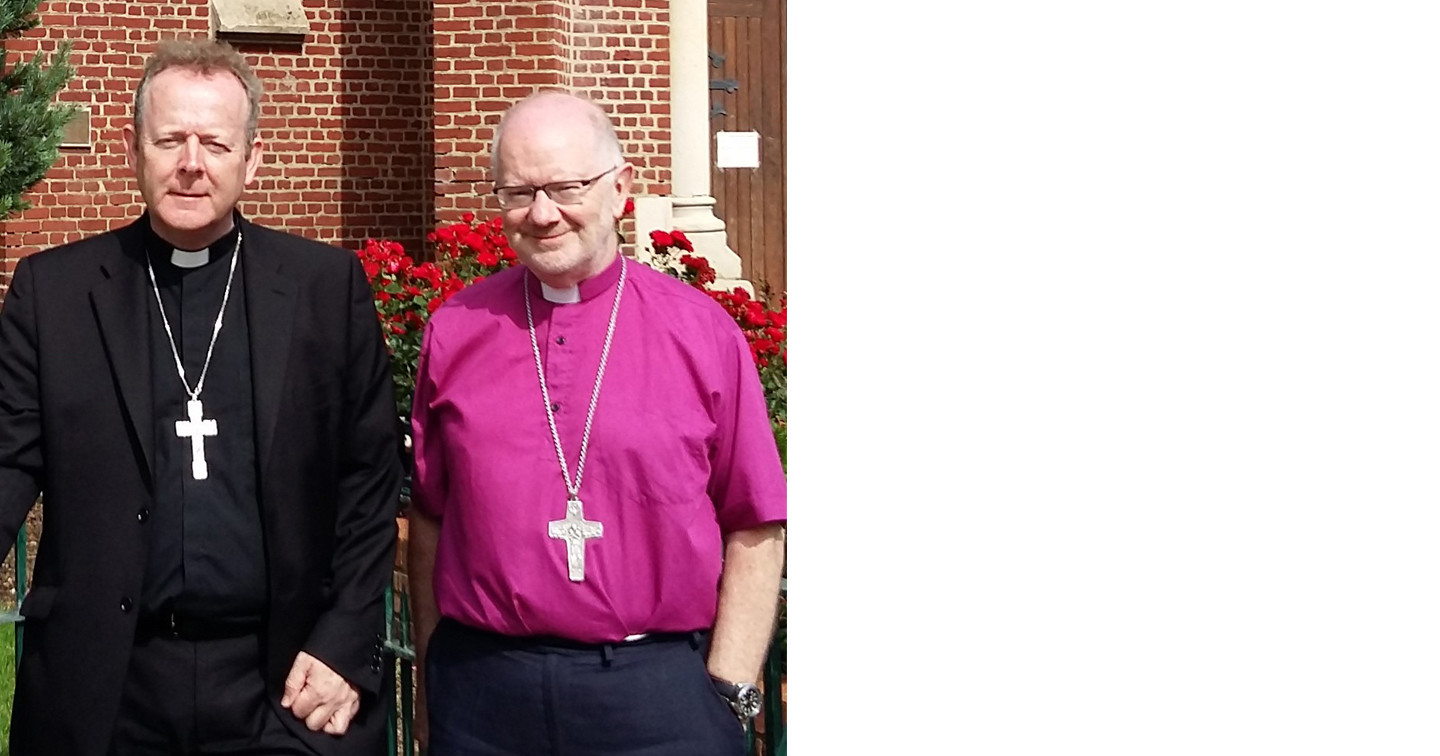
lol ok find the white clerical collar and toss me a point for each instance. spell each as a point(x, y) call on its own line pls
point(567, 295)
point(181, 258)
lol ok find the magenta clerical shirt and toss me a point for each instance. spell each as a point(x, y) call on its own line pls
point(680, 454)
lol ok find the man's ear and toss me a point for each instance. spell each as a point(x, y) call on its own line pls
point(253, 160)
point(132, 146)
point(624, 180)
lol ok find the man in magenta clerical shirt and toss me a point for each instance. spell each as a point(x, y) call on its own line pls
point(597, 537)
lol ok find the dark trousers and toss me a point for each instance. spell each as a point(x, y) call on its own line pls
point(489, 695)
point(199, 697)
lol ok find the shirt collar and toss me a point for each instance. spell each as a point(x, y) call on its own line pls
point(590, 288)
point(162, 250)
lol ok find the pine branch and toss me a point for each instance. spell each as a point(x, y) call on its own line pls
point(17, 16)
point(32, 124)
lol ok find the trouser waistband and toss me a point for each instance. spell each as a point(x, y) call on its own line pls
point(176, 625)
point(549, 643)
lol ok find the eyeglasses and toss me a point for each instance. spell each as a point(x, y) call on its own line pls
point(559, 192)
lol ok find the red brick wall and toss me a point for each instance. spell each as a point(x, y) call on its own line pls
point(491, 54)
point(375, 126)
point(347, 124)
point(345, 120)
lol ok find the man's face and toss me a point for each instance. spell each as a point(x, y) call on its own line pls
point(191, 157)
point(561, 244)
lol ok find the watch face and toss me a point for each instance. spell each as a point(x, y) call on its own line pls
point(748, 703)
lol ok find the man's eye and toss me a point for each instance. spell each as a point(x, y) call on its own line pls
point(566, 191)
point(216, 148)
point(166, 143)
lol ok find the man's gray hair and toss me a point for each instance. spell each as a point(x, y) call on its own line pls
point(204, 56)
point(607, 143)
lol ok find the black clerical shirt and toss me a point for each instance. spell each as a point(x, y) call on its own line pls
point(207, 554)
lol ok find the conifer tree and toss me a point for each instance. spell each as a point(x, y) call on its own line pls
point(31, 122)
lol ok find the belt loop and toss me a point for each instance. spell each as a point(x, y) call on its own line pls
point(607, 654)
point(695, 639)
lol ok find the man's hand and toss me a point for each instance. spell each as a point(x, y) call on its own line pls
point(316, 694)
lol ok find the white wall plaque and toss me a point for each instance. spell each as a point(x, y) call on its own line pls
point(260, 20)
point(77, 129)
point(737, 149)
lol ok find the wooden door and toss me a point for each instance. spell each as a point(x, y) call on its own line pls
point(747, 93)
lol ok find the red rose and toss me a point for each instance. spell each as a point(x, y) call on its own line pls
point(629, 205)
point(434, 304)
point(681, 241)
point(468, 217)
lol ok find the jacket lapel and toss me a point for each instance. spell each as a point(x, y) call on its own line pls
point(120, 305)
point(270, 305)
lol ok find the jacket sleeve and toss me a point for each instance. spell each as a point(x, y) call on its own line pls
point(21, 456)
point(347, 637)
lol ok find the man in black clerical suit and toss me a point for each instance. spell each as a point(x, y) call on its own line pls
point(206, 407)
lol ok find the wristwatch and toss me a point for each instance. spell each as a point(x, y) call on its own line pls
point(744, 698)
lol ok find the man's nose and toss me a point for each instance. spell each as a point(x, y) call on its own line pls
point(543, 210)
point(190, 155)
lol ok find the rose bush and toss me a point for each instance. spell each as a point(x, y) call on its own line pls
point(406, 293)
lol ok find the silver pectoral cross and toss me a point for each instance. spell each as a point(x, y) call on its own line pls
point(574, 530)
point(196, 429)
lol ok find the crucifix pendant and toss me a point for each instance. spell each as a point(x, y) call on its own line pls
point(196, 429)
point(574, 530)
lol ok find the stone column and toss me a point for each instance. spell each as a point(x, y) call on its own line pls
point(693, 208)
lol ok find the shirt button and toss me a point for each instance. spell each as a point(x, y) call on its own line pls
point(560, 340)
point(143, 515)
point(555, 406)
point(126, 604)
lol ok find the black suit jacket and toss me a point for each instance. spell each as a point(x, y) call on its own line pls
point(76, 423)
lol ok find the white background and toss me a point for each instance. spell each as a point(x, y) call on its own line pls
point(1116, 366)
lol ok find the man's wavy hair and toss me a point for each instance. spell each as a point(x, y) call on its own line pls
point(204, 56)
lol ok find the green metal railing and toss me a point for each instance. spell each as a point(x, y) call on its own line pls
point(401, 736)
